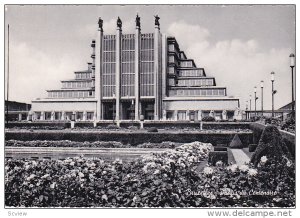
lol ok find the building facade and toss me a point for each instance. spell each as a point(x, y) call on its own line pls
point(137, 76)
point(16, 111)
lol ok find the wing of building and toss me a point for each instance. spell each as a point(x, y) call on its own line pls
point(134, 76)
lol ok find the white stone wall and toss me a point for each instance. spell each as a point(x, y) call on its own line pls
point(224, 104)
point(63, 106)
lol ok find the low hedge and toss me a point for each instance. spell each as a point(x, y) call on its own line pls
point(132, 138)
point(219, 148)
point(96, 144)
point(252, 147)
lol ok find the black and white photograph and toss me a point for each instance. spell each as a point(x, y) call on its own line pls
point(150, 106)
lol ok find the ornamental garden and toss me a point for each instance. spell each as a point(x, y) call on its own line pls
point(209, 165)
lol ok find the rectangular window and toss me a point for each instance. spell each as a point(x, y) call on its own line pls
point(181, 115)
point(79, 115)
point(89, 115)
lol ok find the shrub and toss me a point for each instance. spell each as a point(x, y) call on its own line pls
point(152, 129)
point(215, 156)
point(289, 124)
point(219, 148)
point(208, 119)
point(270, 145)
point(273, 121)
point(252, 147)
point(112, 126)
point(132, 127)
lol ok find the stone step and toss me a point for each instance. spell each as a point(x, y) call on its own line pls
point(240, 156)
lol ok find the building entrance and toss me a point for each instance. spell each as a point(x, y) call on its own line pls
point(148, 110)
point(128, 111)
point(109, 110)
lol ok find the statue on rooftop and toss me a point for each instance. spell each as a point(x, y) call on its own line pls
point(119, 23)
point(100, 24)
point(157, 20)
point(138, 21)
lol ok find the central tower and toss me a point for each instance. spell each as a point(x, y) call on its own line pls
point(128, 73)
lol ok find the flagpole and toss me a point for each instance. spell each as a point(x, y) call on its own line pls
point(7, 81)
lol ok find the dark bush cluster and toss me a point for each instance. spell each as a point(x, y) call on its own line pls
point(208, 119)
point(289, 124)
point(270, 145)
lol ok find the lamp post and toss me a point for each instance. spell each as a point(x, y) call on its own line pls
point(262, 97)
point(250, 102)
point(255, 98)
point(273, 91)
point(114, 114)
point(292, 65)
point(246, 109)
point(250, 107)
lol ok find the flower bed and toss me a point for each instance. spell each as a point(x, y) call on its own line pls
point(165, 179)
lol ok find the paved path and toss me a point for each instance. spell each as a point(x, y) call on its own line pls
point(240, 156)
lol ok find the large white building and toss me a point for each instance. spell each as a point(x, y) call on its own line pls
point(137, 74)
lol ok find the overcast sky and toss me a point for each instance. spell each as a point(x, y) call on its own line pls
point(238, 45)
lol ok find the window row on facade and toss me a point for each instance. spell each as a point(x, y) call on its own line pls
point(191, 73)
point(147, 43)
point(109, 44)
point(82, 75)
point(173, 60)
point(195, 82)
point(128, 43)
point(188, 63)
point(147, 55)
point(128, 68)
point(127, 90)
point(109, 79)
point(78, 84)
point(108, 90)
point(193, 115)
point(127, 82)
point(128, 56)
point(173, 48)
point(66, 115)
point(197, 92)
point(71, 94)
point(108, 68)
point(109, 56)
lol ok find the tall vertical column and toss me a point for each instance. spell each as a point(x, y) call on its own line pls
point(157, 71)
point(118, 67)
point(137, 48)
point(98, 69)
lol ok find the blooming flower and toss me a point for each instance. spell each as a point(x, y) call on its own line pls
point(45, 176)
point(288, 163)
point(244, 168)
point(104, 197)
point(219, 163)
point(252, 172)
point(53, 185)
point(156, 172)
point(30, 177)
point(263, 159)
point(232, 168)
point(208, 170)
point(118, 161)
